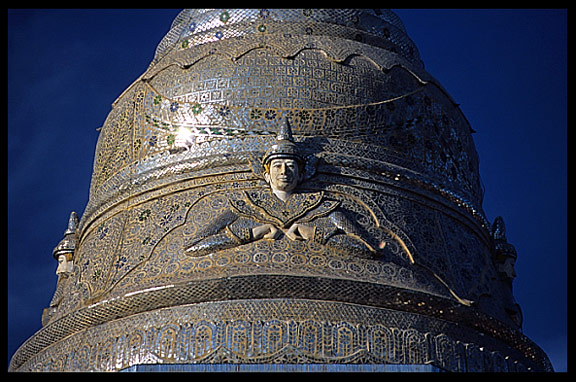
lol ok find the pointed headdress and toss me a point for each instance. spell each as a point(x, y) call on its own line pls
point(284, 146)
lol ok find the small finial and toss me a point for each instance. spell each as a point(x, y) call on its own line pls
point(72, 223)
point(499, 229)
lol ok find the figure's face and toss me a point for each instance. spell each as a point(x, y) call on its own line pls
point(508, 268)
point(64, 266)
point(283, 175)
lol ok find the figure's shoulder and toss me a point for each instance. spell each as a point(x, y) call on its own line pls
point(251, 202)
point(314, 204)
point(306, 198)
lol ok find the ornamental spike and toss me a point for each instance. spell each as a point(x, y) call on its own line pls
point(285, 133)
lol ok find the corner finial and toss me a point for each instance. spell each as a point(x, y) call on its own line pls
point(72, 223)
point(499, 229)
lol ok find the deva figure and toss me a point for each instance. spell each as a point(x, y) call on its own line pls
point(283, 210)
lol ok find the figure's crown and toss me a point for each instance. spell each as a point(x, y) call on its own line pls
point(284, 146)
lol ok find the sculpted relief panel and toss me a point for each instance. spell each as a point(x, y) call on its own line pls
point(279, 210)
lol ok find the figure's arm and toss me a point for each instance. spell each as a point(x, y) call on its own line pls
point(228, 231)
point(264, 231)
point(301, 232)
point(205, 246)
point(343, 234)
point(212, 237)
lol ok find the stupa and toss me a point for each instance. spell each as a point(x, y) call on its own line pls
point(284, 190)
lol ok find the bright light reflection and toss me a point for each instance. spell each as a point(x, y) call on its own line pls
point(185, 138)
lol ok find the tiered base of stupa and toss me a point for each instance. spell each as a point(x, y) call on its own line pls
point(311, 326)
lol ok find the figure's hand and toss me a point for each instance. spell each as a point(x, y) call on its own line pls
point(300, 232)
point(264, 231)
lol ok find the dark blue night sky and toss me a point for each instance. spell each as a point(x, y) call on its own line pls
point(506, 68)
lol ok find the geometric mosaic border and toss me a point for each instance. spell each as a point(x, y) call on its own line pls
point(276, 331)
point(330, 291)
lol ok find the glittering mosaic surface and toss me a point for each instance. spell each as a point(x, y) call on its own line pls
point(391, 189)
